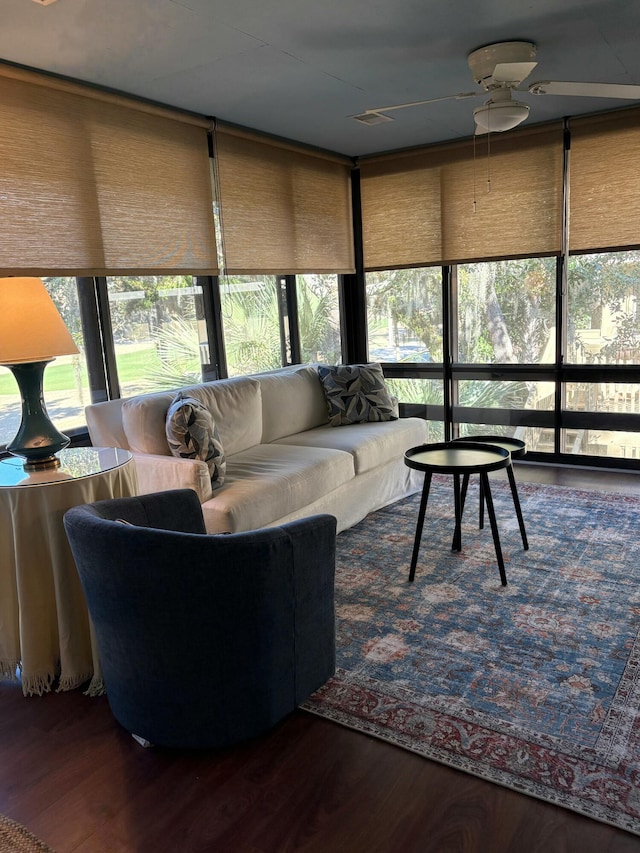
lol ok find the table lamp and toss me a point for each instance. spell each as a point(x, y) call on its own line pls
point(32, 333)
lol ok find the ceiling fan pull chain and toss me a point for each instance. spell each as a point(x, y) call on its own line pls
point(489, 161)
point(475, 204)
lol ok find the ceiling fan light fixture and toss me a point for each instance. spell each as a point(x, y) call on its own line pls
point(496, 117)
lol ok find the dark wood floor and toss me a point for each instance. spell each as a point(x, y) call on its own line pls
point(80, 783)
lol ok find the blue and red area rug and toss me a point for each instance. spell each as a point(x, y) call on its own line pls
point(535, 686)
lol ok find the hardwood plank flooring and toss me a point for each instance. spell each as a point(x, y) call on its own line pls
point(79, 782)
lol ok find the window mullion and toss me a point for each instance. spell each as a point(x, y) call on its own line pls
point(106, 335)
point(291, 305)
point(217, 366)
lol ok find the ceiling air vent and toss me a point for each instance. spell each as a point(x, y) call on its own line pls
point(372, 118)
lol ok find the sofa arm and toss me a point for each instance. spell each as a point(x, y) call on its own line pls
point(160, 473)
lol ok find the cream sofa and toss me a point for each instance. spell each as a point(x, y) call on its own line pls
point(283, 459)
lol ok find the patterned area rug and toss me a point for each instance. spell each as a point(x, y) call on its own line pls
point(535, 686)
point(15, 838)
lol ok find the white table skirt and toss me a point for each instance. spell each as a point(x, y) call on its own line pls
point(45, 630)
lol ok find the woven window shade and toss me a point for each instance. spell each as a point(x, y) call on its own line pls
point(604, 169)
point(284, 209)
point(94, 185)
point(418, 207)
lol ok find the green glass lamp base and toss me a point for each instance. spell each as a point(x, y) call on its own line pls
point(37, 440)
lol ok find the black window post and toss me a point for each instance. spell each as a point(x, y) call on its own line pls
point(100, 352)
point(216, 368)
point(352, 290)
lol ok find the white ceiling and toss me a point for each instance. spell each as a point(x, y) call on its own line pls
point(300, 68)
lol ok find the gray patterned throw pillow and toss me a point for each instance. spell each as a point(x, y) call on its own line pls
point(193, 434)
point(356, 393)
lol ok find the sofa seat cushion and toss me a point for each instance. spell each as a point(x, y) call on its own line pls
point(269, 481)
point(370, 444)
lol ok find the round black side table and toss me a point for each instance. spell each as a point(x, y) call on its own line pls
point(517, 449)
point(461, 459)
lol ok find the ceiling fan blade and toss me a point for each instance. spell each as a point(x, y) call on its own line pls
point(512, 72)
point(626, 91)
point(376, 112)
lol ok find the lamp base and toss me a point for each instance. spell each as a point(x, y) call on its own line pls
point(37, 440)
point(40, 464)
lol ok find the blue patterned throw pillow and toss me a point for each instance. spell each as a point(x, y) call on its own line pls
point(356, 393)
point(193, 434)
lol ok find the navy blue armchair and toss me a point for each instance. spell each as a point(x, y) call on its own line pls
point(204, 640)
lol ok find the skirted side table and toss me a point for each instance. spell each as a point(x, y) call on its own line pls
point(45, 629)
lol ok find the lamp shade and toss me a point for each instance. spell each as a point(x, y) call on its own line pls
point(31, 329)
point(32, 333)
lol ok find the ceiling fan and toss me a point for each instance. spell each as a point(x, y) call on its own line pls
point(500, 69)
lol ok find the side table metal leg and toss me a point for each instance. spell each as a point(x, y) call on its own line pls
point(484, 477)
point(463, 496)
point(516, 503)
point(481, 507)
point(457, 533)
point(421, 514)
point(456, 544)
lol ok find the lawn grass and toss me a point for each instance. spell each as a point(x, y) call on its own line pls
point(61, 377)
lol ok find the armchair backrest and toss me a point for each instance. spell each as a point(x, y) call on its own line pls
point(175, 509)
point(204, 639)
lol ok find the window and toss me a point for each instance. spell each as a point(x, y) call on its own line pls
point(602, 305)
point(609, 443)
point(404, 327)
point(251, 323)
point(603, 338)
point(506, 312)
point(423, 398)
point(404, 315)
point(319, 318)
point(159, 331)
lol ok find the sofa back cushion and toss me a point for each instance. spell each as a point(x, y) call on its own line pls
point(292, 401)
point(234, 403)
point(143, 421)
